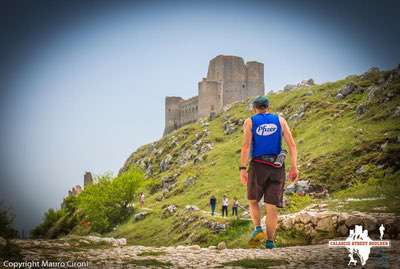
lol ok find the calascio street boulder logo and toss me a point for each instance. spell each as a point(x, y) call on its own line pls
point(266, 129)
point(359, 244)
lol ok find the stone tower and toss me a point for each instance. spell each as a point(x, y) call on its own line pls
point(254, 78)
point(87, 179)
point(228, 80)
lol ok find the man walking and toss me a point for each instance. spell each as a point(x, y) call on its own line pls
point(225, 206)
point(265, 177)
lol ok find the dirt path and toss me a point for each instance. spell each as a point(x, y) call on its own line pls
point(314, 256)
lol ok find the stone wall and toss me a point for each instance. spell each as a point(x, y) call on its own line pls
point(172, 113)
point(255, 78)
point(188, 110)
point(210, 99)
point(231, 75)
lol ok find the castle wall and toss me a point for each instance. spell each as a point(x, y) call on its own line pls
point(216, 69)
point(210, 98)
point(172, 113)
point(189, 110)
point(255, 79)
point(231, 72)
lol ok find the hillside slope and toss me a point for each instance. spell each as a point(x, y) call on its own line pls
point(347, 134)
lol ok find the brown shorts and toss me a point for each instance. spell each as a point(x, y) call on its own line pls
point(268, 181)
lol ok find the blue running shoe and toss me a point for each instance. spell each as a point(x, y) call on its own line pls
point(269, 244)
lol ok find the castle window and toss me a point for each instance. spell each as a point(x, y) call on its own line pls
point(243, 86)
point(212, 108)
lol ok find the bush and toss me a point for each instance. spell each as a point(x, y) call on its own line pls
point(6, 222)
point(106, 203)
point(50, 218)
point(10, 251)
point(58, 222)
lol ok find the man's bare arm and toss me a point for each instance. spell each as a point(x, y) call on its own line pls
point(247, 137)
point(287, 134)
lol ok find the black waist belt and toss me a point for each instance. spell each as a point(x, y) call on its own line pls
point(266, 159)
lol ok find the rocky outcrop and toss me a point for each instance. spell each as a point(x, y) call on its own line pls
point(189, 181)
point(332, 224)
point(348, 89)
point(303, 83)
point(299, 114)
point(191, 208)
point(169, 182)
point(230, 125)
point(303, 187)
point(164, 164)
point(140, 216)
point(361, 109)
point(168, 211)
point(214, 226)
point(372, 71)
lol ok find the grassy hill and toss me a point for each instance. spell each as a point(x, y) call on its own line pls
point(348, 143)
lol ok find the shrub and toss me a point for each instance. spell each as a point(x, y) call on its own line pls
point(50, 218)
point(10, 251)
point(106, 203)
point(58, 222)
point(6, 222)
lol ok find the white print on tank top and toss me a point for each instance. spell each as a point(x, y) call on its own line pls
point(266, 129)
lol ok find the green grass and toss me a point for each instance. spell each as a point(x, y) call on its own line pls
point(297, 203)
point(255, 263)
point(332, 141)
point(385, 188)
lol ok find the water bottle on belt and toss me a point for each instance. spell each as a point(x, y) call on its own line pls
point(280, 159)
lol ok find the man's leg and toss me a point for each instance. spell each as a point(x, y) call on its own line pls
point(271, 220)
point(257, 235)
point(254, 212)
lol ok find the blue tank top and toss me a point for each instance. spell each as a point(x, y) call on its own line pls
point(267, 135)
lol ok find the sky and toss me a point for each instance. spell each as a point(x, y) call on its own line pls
point(82, 83)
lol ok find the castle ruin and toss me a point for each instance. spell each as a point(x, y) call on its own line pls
point(87, 179)
point(228, 80)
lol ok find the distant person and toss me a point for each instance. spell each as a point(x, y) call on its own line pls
point(235, 206)
point(381, 231)
point(225, 206)
point(141, 199)
point(213, 204)
point(264, 173)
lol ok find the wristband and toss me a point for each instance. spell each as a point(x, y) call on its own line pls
point(242, 168)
